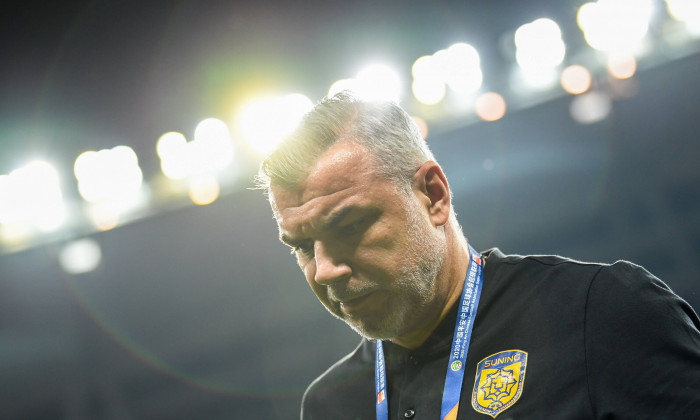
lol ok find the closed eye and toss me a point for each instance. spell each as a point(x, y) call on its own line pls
point(358, 226)
point(352, 227)
point(304, 248)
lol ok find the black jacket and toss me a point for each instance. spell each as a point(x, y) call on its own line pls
point(598, 342)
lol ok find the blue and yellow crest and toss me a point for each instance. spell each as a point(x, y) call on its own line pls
point(499, 382)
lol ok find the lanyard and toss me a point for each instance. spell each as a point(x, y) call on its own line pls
point(460, 345)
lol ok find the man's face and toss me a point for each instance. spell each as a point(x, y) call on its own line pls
point(369, 252)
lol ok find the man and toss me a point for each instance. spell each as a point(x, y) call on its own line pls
point(447, 332)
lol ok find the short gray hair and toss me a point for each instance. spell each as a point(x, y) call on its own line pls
point(384, 128)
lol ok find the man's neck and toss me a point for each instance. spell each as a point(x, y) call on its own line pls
point(456, 266)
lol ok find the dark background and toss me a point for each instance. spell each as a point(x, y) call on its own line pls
point(198, 312)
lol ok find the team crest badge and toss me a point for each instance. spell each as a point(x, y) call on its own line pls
point(499, 382)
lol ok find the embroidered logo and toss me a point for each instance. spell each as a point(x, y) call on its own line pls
point(499, 382)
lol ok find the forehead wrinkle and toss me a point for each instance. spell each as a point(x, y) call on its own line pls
point(345, 171)
point(295, 220)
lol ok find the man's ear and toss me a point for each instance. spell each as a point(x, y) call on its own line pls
point(430, 185)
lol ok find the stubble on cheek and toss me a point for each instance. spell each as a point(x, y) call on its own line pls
point(404, 271)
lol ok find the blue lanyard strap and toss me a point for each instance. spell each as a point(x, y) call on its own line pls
point(462, 336)
point(380, 383)
point(468, 305)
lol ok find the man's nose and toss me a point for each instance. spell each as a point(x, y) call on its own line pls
point(329, 266)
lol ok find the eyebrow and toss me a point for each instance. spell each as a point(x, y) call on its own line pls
point(337, 217)
point(331, 222)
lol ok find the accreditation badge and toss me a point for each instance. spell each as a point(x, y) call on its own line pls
point(499, 382)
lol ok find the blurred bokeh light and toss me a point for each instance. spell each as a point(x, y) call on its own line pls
point(621, 66)
point(461, 66)
point(590, 107)
point(204, 189)
point(458, 66)
point(210, 152)
point(539, 50)
point(375, 82)
point(539, 45)
point(428, 84)
point(686, 11)
point(109, 175)
point(80, 256)
point(171, 148)
point(264, 122)
point(32, 195)
point(615, 25)
point(490, 106)
point(576, 79)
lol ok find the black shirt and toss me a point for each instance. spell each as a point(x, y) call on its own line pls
point(597, 341)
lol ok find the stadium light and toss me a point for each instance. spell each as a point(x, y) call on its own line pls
point(615, 25)
point(372, 83)
point(32, 195)
point(539, 45)
point(210, 152)
point(490, 106)
point(110, 180)
point(461, 66)
point(686, 11)
point(379, 82)
point(80, 256)
point(265, 122)
point(428, 85)
point(576, 79)
point(108, 175)
point(540, 49)
point(458, 67)
point(590, 107)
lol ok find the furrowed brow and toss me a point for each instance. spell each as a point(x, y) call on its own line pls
point(331, 222)
point(337, 217)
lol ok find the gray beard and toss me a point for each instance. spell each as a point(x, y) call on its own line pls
point(416, 284)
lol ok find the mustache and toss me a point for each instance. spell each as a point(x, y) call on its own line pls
point(343, 293)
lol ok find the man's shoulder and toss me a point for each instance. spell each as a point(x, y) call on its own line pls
point(620, 270)
point(604, 288)
point(552, 267)
point(554, 274)
point(341, 384)
point(495, 256)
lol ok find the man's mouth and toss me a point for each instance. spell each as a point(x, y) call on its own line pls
point(354, 304)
